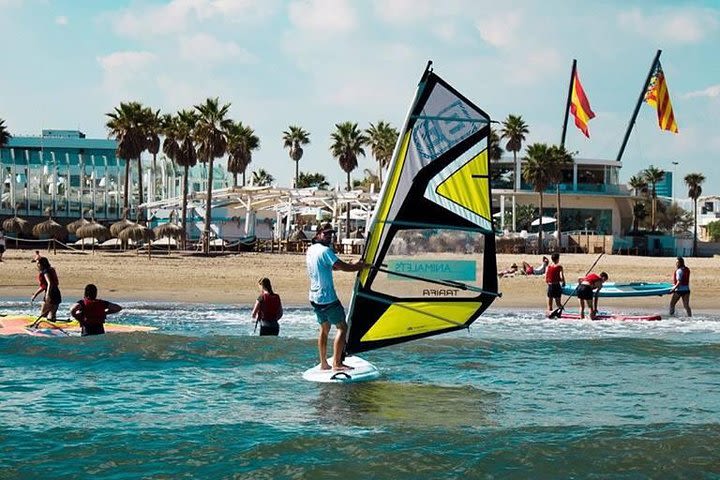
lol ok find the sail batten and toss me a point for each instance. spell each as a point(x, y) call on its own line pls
point(433, 217)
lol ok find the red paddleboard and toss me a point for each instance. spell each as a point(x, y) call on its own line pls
point(611, 316)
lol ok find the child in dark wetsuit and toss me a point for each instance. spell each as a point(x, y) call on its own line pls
point(268, 309)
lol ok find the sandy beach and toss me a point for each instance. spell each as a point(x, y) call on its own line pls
point(232, 278)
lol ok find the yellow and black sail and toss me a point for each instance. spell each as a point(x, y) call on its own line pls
point(430, 243)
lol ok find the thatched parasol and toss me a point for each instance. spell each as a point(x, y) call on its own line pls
point(119, 226)
point(73, 227)
point(93, 230)
point(16, 225)
point(50, 228)
point(137, 232)
point(169, 230)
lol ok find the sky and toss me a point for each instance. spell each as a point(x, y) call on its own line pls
point(316, 63)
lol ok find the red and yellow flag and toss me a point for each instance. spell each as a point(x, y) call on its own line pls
point(657, 95)
point(580, 106)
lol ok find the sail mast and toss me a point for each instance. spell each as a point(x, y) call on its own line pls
point(562, 145)
point(637, 105)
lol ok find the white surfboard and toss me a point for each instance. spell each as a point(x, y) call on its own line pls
point(362, 371)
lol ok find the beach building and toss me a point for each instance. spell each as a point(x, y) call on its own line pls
point(71, 174)
point(592, 197)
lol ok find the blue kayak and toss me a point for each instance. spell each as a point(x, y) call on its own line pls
point(630, 289)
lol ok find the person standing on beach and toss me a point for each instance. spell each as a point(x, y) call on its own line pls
point(268, 309)
point(321, 260)
point(2, 243)
point(49, 284)
point(555, 279)
point(588, 292)
point(91, 312)
point(681, 287)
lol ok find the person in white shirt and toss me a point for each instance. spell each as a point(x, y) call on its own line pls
point(321, 260)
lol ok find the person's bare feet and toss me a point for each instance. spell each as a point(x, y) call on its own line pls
point(342, 367)
point(325, 366)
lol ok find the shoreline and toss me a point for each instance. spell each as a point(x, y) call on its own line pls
point(232, 278)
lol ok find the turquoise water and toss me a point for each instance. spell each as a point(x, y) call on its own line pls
point(517, 396)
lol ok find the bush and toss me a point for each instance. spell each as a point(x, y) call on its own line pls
point(713, 230)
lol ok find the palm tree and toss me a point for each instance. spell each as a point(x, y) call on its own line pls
point(241, 143)
point(694, 183)
point(317, 180)
point(211, 138)
point(514, 130)
point(652, 176)
point(494, 148)
point(539, 170)
point(639, 212)
point(4, 134)
point(179, 146)
point(261, 178)
point(381, 138)
point(638, 184)
point(370, 179)
point(126, 125)
point(293, 139)
point(153, 122)
point(347, 144)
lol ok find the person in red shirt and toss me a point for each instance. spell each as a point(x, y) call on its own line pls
point(588, 292)
point(555, 279)
point(268, 309)
point(91, 312)
point(50, 286)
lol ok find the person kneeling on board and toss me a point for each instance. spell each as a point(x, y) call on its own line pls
point(91, 312)
point(268, 309)
point(588, 292)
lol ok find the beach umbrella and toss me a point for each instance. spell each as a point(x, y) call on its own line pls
point(93, 230)
point(119, 226)
point(17, 226)
point(138, 233)
point(169, 230)
point(73, 226)
point(50, 228)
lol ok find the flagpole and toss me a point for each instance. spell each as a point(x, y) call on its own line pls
point(567, 104)
point(637, 106)
point(562, 145)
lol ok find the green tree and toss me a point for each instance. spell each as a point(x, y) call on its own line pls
point(126, 125)
point(514, 130)
point(211, 140)
point(638, 184)
point(261, 178)
point(369, 179)
point(539, 171)
point(381, 138)
point(713, 231)
point(562, 160)
point(242, 141)
point(347, 145)
point(694, 183)
point(4, 134)
point(653, 176)
point(317, 180)
point(293, 139)
point(179, 146)
point(639, 212)
point(153, 123)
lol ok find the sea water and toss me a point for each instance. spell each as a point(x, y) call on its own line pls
point(515, 396)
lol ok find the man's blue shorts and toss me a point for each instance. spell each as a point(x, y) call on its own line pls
point(333, 313)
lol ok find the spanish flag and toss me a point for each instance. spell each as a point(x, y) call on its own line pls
point(657, 95)
point(580, 106)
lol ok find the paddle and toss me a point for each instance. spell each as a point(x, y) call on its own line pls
point(556, 313)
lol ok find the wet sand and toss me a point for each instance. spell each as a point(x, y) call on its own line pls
point(232, 278)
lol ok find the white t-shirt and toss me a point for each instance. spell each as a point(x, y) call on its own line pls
point(320, 260)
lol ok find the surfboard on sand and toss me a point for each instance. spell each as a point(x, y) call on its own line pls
point(362, 371)
point(611, 316)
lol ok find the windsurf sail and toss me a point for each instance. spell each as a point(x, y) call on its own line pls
point(430, 243)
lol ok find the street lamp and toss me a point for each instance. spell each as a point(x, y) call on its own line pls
point(674, 164)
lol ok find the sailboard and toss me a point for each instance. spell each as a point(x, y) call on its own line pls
point(430, 243)
point(29, 325)
point(612, 316)
point(629, 289)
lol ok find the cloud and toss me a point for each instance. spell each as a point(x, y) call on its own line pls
point(323, 16)
point(208, 49)
point(500, 30)
point(61, 20)
point(671, 25)
point(710, 92)
point(121, 70)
